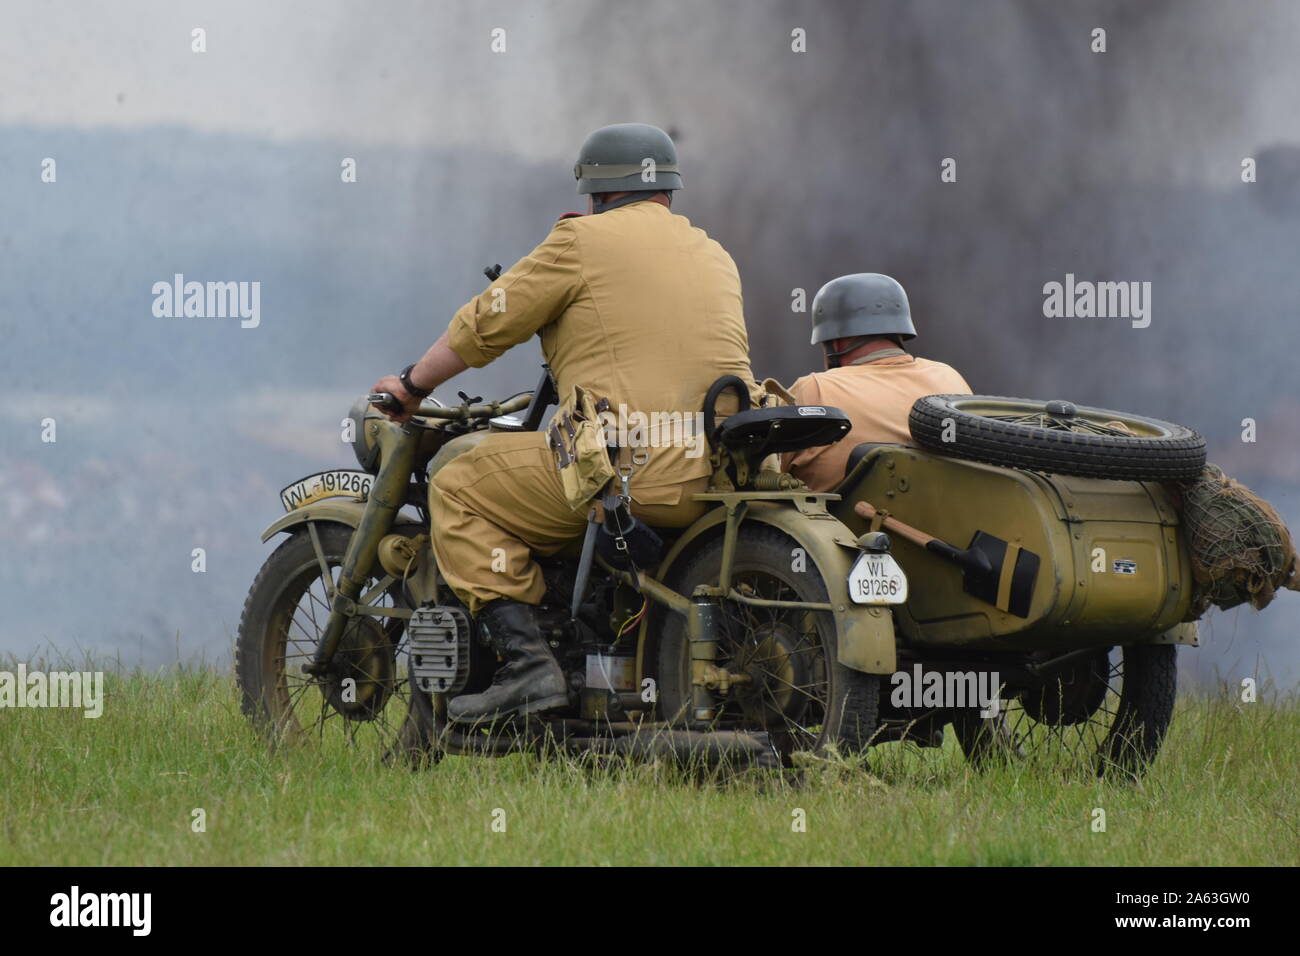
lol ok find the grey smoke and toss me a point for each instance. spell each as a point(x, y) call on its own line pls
point(1119, 166)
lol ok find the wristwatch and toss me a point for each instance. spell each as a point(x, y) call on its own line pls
point(410, 386)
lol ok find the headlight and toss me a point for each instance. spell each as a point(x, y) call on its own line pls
point(366, 451)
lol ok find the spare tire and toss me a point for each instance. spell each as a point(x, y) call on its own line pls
point(1056, 436)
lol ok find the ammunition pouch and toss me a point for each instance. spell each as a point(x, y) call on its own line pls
point(577, 440)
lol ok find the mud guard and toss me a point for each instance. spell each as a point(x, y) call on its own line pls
point(865, 634)
point(346, 511)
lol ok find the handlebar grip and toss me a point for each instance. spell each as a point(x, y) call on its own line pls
point(385, 400)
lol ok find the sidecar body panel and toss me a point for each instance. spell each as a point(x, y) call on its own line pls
point(1112, 567)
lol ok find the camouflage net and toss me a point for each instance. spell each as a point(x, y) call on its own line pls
point(1240, 549)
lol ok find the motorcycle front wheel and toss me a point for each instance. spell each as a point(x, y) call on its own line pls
point(364, 706)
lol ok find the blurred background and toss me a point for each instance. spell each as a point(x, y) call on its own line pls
point(176, 433)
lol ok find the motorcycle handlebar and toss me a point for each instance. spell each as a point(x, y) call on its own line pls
point(457, 413)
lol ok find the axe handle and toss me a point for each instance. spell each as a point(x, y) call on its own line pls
point(896, 526)
point(967, 560)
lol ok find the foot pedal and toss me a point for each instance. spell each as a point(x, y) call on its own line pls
point(439, 649)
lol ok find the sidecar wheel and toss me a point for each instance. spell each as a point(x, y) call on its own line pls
point(1135, 705)
point(796, 690)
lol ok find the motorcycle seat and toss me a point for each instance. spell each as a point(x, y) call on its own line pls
point(759, 432)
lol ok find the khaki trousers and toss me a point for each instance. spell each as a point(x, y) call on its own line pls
point(495, 506)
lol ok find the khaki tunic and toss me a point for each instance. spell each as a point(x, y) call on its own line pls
point(637, 306)
point(877, 396)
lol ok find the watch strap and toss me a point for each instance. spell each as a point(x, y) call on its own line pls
point(410, 387)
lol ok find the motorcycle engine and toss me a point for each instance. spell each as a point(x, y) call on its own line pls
point(440, 649)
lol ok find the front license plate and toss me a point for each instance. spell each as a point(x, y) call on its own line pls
point(326, 484)
point(877, 579)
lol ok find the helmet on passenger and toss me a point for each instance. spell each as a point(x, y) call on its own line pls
point(865, 304)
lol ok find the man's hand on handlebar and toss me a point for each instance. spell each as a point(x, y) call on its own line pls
point(393, 386)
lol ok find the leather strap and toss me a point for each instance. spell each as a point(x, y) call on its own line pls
point(599, 171)
point(405, 377)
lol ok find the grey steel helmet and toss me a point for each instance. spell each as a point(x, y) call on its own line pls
point(613, 160)
point(865, 303)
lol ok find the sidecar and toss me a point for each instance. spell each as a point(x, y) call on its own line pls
point(1074, 562)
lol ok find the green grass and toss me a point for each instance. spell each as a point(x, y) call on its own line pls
point(120, 789)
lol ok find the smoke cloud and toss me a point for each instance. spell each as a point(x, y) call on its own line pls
point(1123, 165)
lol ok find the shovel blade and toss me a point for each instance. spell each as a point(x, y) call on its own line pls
point(1009, 584)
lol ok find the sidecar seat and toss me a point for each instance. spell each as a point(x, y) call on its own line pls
point(860, 452)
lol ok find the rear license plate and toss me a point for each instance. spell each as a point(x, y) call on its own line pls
point(326, 484)
point(877, 579)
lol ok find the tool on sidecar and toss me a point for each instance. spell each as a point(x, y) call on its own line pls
point(995, 571)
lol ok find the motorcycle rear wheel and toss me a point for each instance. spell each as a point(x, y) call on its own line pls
point(798, 691)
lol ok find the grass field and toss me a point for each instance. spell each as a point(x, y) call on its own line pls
point(121, 790)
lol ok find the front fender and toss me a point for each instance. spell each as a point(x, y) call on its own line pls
point(865, 634)
point(339, 510)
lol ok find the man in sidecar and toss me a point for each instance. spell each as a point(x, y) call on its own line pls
point(861, 321)
point(637, 309)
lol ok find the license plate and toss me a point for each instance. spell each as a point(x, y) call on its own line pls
point(326, 484)
point(877, 579)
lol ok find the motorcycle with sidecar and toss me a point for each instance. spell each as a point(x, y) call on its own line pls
point(1036, 542)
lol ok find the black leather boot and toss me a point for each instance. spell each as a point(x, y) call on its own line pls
point(529, 681)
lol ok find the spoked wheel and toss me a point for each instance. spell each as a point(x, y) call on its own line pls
point(363, 704)
point(1057, 436)
point(785, 675)
point(1107, 713)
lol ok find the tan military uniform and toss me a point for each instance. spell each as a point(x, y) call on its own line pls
point(635, 305)
point(877, 396)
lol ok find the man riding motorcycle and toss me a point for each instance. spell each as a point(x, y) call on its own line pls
point(638, 311)
point(861, 322)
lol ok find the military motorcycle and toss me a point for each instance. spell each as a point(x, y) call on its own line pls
point(742, 638)
point(1036, 544)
